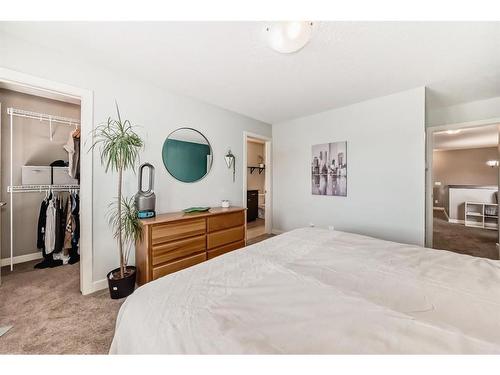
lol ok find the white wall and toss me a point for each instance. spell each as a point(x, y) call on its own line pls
point(464, 112)
point(158, 112)
point(385, 168)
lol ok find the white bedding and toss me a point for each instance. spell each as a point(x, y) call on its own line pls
point(318, 291)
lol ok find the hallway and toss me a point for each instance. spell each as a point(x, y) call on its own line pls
point(465, 240)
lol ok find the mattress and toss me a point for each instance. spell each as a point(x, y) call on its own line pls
point(315, 291)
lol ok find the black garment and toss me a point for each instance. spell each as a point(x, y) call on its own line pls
point(60, 226)
point(49, 262)
point(75, 210)
point(42, 221)
point(57, 228)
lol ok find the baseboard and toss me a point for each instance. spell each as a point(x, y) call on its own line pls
point(21, 258)
point(442, 209)
point(99, 285)
point(277, 231)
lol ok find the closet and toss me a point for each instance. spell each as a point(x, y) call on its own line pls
point(40, 180)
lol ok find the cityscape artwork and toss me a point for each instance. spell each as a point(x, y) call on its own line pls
point(329, 169)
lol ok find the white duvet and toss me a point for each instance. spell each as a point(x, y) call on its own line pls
point(318, 291)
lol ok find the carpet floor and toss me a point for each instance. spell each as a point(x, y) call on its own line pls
point(50, 316)
point(464, 240)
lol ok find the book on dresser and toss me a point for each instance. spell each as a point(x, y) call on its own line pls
point(177, 240)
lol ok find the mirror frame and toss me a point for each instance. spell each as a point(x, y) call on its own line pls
point(209, 146)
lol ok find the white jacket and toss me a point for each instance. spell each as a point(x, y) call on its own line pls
point(50, 228)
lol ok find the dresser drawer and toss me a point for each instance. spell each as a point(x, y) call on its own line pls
point(178, 265)
point(225, 249)
point(219, 222)
point(177, 230)
point(225, 237)
point(178, 249)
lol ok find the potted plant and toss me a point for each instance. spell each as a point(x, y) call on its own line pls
point(119, 147)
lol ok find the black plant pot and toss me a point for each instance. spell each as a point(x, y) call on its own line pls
point(120, 288)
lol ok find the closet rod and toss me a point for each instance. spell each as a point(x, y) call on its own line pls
point(41, 188)
point(42, 116)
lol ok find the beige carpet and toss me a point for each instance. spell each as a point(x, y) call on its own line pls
point(50, 316)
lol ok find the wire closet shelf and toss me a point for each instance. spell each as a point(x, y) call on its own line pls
point(42, 117)
point(42, 188)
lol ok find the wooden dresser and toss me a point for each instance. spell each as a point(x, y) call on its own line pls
point(176, 240)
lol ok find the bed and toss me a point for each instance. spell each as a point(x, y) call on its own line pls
point(318, 291)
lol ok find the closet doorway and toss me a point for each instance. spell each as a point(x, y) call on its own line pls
point(48, 169)
point(257, 186)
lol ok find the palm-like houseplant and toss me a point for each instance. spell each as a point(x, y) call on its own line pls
point(119, 147)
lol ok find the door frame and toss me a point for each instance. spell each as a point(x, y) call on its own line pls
point(86, 161)
point(267, 173)
point(429, 148)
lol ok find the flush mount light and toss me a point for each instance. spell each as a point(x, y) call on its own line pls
point(288, 37)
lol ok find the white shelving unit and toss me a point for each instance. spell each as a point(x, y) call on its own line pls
point(481, 215)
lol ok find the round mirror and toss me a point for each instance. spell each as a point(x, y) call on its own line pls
point(187, 155)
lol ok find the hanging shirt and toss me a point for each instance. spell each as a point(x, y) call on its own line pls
point(70, 226)
point(70, 148)
point(76, 158)
point(76, 217)
point(42, 220)
point(50, 228)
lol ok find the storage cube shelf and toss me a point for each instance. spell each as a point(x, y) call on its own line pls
point(46, 175)
point(481, 215)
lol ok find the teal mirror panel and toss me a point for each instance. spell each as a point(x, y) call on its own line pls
point(187, 155)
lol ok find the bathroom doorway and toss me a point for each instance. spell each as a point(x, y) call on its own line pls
point(257, 195)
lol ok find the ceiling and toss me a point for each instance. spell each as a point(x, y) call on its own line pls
point(228, 64)
point(477, 137)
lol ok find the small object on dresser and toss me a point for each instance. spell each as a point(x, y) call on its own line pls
point(195, 209)
point(145, 200)
point(225, 203)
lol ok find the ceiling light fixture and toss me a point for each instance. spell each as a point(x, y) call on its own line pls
point(288, 37)
point(492, 163)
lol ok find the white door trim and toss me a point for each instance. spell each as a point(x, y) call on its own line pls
point(429, 147)
point(268, 176)
point(86, 161)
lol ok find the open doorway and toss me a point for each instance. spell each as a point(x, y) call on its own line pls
point(257, 194)
point(464, 183)
point(43, 115)
point(40, 176)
